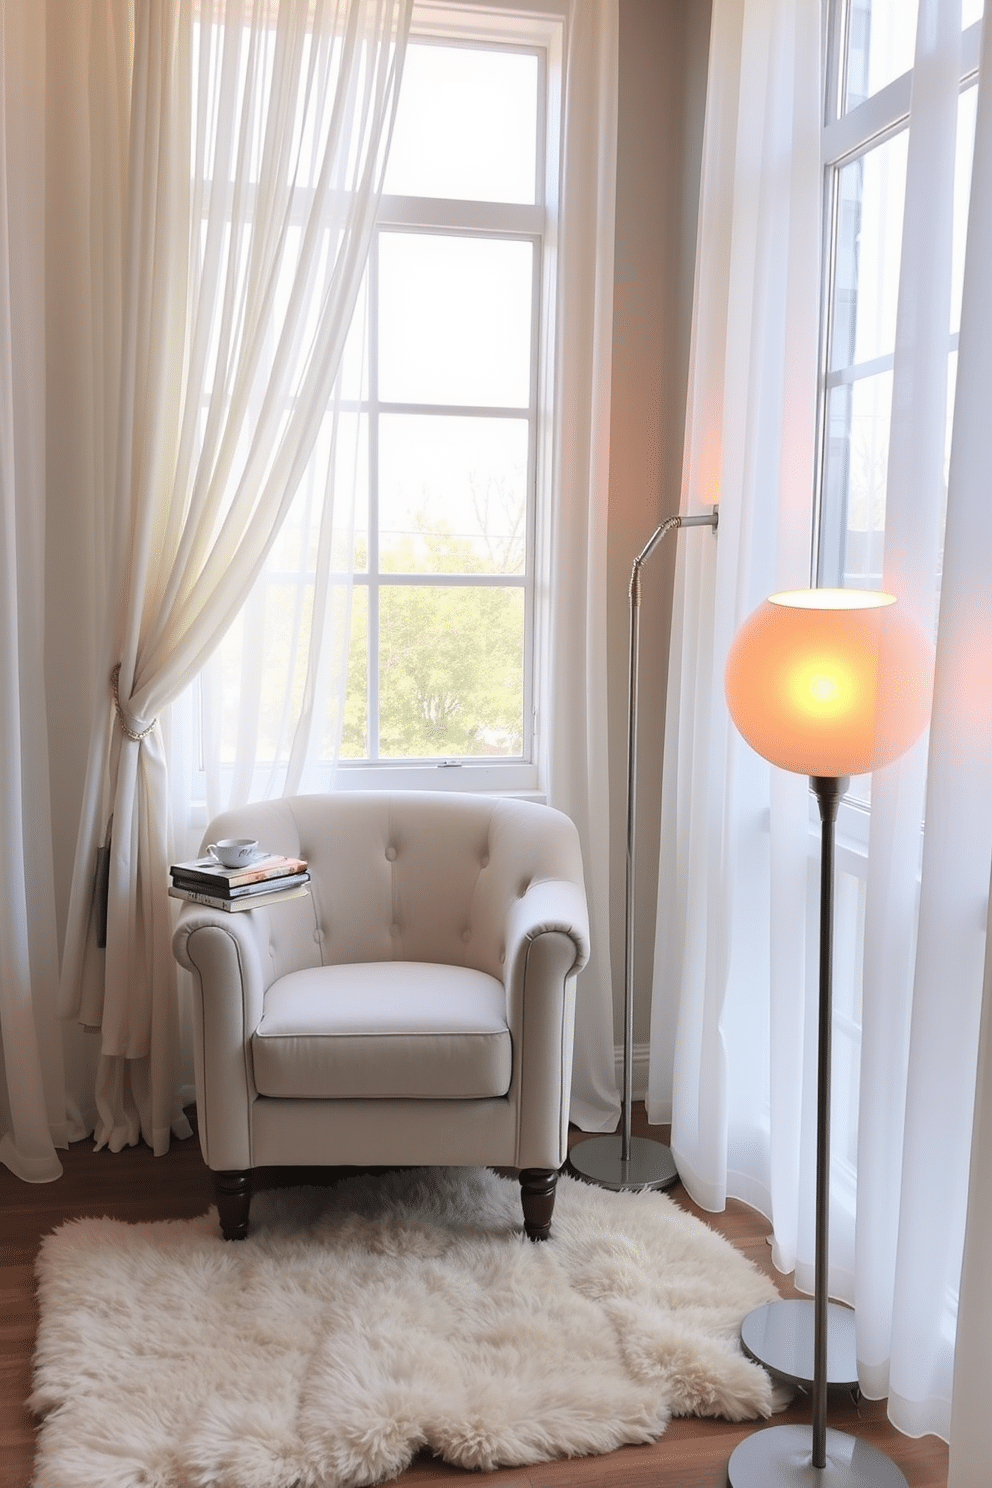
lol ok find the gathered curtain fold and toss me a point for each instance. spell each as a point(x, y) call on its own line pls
point(727, 1009)
point(306, 659)
point(971, 454)
point(32, 1107)
point(253, 146)
point(947, 1111)
point(575, 742)
point(733, 1022)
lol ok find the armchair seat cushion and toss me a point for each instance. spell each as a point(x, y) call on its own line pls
point(387, 1029)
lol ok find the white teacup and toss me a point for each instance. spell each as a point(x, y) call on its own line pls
point(233, 852)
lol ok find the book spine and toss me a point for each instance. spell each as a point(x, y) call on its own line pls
point(221, 882)
point(247, 901)
point(198, 896)
point(265, 871)
point(246, 891)
point(269, 885)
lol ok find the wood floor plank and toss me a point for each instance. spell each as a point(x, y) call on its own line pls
point(135, 1186)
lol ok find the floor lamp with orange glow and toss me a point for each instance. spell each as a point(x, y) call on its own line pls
point(829, 683)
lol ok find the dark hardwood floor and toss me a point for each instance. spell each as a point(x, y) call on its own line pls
point(133, 1185)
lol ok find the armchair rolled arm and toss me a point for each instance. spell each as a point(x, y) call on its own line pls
point(550, 904)
point(547, 946)
point(224, 955)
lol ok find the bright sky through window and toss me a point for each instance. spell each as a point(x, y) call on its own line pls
point(882, 42)
point(442, 299)
point(466, 126)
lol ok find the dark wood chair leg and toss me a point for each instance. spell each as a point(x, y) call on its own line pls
point(537, 1194)
point(232, 1192)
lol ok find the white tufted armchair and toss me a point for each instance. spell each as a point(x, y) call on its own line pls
point(415, 1007)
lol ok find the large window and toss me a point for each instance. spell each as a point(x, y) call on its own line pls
point(871, 53)
point(865, 141)
point(441, 659)
point(436, 453)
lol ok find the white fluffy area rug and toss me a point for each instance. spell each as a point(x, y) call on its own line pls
point(361, 1324)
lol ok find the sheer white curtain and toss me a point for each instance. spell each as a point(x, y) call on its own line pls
point(32, 1104)
point(256, 138)
point(573, 706)
point(736, 952)
point(968, 1462)
point(266, 712)
point(728, 1005)
point(957, 848)
point(575, 652)
point(971, 454)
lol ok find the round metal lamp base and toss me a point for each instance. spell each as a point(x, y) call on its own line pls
point(599, 1160)
point(780, 1336)
point(782, 1457)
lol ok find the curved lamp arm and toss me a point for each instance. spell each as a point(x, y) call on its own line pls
point(671, 524)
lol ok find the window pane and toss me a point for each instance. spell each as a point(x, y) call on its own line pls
point(466, 126)
point(451, 671)
point(881, 43)
point(872, 191)
point(963, 154)
point(859, 415)
point(454, 319)
point(355, 734)
point(452, 494)
point(266, 645)
point(333, 496)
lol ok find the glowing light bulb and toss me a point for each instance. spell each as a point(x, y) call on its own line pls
point(823, 688)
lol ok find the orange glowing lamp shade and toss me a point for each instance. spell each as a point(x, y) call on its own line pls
point(830, 682)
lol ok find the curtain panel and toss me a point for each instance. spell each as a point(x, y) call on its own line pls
point(574, 453)
point(729, 995)
point(733, 1027)
point(971, 453)
point(947, 1111)
point(32, 1104)
point(575, 761)
point(185, 229)
point(252, 141)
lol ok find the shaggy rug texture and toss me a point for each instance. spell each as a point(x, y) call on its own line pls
point(359, 1324)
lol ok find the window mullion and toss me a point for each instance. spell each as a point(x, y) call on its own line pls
point(372, 560)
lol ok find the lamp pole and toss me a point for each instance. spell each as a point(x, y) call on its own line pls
point(780, 1456)
point(828, 791)
point(621, 1161)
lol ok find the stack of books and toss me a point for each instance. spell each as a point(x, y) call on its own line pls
point(267, 878)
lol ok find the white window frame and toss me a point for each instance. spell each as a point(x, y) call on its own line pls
point(845, 137)
point(539, 29)
point(534, 26)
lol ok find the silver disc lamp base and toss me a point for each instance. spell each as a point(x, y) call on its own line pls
point(781, 1335)
point(782, 1457)
point(600, 1160)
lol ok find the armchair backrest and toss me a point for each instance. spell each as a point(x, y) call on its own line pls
point(405, 875)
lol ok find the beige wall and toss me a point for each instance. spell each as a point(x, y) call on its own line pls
point(663, 58)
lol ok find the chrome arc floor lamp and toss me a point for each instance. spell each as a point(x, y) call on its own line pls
point(620, 1161)
point(828, 683)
